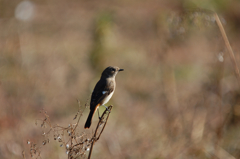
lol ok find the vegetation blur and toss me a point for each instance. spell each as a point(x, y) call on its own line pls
point(177, 98)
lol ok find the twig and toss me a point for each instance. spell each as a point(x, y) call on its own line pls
point(23, 154)
point(80, 114)
point(229, 48)
point(74, 128)
point(95, 138)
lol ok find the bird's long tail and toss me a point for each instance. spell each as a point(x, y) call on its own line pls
point(89, 119)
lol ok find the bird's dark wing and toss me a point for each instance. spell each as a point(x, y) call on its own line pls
point(101, 90)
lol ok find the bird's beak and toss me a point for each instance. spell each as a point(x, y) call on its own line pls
point(120, 70)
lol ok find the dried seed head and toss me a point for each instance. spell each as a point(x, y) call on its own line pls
point(59, 139)
point(75, 116)
point(67, 146)
point(44, 142)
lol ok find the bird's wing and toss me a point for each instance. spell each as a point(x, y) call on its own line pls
point(101, 90)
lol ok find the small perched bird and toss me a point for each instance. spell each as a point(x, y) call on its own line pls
point(103, 91)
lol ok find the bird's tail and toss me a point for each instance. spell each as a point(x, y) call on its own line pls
point(90, 116)
point(89, 120)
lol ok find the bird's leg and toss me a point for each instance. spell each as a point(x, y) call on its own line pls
point(98, 114)
point(107, 108)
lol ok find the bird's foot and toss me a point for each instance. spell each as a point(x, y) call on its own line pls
point(107, 108)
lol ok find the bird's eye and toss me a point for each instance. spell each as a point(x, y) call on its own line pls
point(112, 69)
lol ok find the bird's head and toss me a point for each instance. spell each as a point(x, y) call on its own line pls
point(111, 71)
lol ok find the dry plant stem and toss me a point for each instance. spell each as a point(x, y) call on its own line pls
point(95, 134)
point(230, 51)
point(73, 129)
point(79, 110)
point(23, 155)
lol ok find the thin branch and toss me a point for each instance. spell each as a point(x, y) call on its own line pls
point(95, 138)
point(229, 48)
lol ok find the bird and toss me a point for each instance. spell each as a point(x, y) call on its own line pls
point(103, 91)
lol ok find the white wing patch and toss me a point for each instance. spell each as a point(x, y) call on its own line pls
point(104, 92)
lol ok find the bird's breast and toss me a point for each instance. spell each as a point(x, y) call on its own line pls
point(107, 98)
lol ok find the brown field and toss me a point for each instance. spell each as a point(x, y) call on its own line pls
point(178, 97)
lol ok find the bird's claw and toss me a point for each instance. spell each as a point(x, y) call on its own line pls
point(107, 109)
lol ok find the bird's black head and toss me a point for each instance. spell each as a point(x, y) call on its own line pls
point(111, 71)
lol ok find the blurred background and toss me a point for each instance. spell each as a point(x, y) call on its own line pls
point(178, 96)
